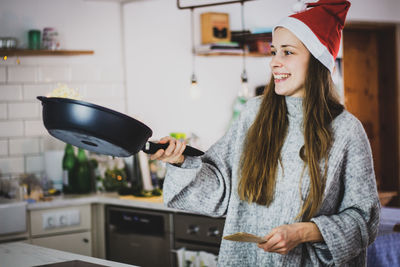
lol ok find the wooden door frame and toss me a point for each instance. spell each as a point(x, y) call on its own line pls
point(392, 68)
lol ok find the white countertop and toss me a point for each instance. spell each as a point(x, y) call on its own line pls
point(102, 198)
point(19, 254)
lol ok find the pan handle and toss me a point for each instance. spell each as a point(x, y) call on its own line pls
point(151, 148)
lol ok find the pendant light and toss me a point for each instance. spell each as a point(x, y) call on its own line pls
point(244, 92)
point(194, 87)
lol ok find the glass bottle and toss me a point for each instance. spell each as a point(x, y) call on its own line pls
point(83, 173)
point(68, 165)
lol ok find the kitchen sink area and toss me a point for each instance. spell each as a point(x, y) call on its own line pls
point(12, 216)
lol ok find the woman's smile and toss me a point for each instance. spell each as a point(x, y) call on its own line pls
point(280, 77)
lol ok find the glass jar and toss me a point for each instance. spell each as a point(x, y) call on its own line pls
point(50, 39)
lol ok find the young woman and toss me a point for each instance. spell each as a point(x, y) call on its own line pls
point(295, 168)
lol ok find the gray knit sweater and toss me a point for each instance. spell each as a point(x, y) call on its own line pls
point(349, 216)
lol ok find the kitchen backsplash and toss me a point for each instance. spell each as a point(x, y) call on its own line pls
point(23, 138)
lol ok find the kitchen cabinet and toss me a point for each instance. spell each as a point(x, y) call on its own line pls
point(79, 243)
point(67, 229)
point(98, 231)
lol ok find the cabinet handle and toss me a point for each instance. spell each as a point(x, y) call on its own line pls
point(85, 240)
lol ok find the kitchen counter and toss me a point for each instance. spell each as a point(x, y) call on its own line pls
point(26, 255)
point(102, 198)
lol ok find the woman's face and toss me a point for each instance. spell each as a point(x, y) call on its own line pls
point(289, 63)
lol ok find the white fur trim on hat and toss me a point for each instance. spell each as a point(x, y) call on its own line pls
point(309, 39)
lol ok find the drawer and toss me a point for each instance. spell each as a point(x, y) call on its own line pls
point(60, 220)
point(79, 243)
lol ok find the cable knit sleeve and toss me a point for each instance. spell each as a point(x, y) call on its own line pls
point(203, 184)
point(349, 231)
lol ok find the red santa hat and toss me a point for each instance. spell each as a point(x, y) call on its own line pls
point(319, 28)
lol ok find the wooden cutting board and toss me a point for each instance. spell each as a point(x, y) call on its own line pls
point(155, 199)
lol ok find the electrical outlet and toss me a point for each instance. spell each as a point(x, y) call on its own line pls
point(59, 219)
point(49, 220)
point(74, 217)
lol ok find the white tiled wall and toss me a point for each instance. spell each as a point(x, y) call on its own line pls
point(21, 74)
point(22, 133)
point(22, 146)
point(2, 74)
point(3, 148)
point(98, 77)
point(3, 111)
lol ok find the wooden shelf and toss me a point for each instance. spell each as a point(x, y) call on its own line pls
point(26, 52)
point(252, 54)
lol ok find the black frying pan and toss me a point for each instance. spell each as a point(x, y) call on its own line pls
point(99, 129)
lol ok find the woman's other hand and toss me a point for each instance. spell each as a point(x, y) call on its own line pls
point(173, 153)
point(284, 238)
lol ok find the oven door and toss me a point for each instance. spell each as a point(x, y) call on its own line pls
point(194, 234)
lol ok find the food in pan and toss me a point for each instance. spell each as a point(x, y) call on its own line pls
point(64, 91)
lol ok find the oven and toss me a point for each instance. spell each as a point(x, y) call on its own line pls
point(195, 233)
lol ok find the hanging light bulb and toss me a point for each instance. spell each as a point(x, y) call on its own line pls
point(194, 87)
point(244, 92)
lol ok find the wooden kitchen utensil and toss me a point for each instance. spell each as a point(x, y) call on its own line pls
point(245, 237)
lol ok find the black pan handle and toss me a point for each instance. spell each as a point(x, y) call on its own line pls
point(151, 148)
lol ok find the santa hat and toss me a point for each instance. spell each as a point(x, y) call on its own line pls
point(319, 28)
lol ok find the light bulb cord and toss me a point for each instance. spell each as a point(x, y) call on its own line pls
point(244, 38)
point(192, 40)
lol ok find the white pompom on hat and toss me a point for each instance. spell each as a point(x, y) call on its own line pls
point(319, 28)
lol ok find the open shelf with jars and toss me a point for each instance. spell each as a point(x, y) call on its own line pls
point(41, 52)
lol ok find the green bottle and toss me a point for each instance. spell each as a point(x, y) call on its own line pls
point(83, 173)
point(68, 165)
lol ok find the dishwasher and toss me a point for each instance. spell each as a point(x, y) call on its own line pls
point(138, 237)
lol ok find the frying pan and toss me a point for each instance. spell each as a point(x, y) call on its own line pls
point(99, 129)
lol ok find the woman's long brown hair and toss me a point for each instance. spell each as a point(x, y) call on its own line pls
point(265, 138)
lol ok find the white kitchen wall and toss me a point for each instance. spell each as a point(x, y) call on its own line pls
point(159, 63)
point(158, 60)
point(82, 25)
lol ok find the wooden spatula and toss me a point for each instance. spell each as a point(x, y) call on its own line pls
point(245, 237)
